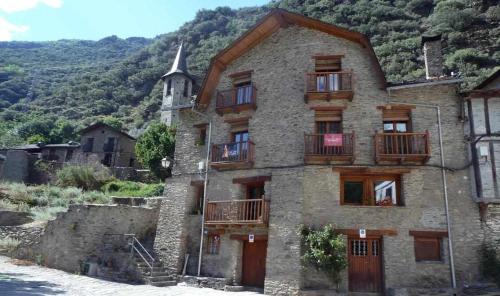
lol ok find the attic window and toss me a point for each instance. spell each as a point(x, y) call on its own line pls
point(331, 63)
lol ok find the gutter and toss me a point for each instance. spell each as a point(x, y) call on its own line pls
point(429, 83)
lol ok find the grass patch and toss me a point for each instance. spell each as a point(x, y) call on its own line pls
point(133, 189)
point(8, 244)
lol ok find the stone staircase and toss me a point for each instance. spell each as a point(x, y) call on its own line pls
point(157, 276)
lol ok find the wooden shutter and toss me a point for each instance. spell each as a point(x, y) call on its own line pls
point(328, 115)
point(242, 77)
point(427, 248)
point(328, 63)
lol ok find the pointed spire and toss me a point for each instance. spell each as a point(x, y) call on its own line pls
point(179, 65)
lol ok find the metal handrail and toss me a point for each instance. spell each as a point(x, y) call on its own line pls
point(133, 247)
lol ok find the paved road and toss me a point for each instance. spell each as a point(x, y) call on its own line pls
point(37, 281)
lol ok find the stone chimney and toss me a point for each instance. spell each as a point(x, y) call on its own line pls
point(433, 56)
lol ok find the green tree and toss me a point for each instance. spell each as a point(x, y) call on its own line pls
point(324, 249)
point(36, 139)
point(156, 143)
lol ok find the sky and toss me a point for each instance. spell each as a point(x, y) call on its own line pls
point(44, 20)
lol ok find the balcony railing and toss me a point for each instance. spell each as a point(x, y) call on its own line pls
point(329, 85)
point(237, 212)
point(232, 154)
point(236, 99)
point(402, 147)
point(328, 147)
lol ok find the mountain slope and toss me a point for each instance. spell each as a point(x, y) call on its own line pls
point(130, 90)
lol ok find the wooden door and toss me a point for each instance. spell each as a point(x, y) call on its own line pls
point(254, 263)
point(365, 265)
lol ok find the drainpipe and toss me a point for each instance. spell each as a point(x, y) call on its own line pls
point(205, 181)
point(445, 187)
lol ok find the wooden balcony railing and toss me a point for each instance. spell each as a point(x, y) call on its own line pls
point(236, 99)
point(402, 147)
point(318, 147)
point(235, 154)
point(329, 85)
point(237, 212)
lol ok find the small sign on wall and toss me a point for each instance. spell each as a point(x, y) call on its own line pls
point(251, 238)
point(362, 233)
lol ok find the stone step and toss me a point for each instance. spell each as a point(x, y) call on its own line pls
point(164, 284)
point(156, 278)
point(229, 288)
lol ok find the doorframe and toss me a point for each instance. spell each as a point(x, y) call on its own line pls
point(382, 258)
point(242, 238)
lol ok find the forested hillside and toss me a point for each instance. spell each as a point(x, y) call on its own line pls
point(47, 90)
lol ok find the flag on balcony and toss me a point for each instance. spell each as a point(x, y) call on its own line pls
point(332, 140)
point(225, 153)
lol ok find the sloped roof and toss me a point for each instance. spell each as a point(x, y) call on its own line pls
point(273, 21)
point(101, 124)
point(489, 79)
point(179, 66)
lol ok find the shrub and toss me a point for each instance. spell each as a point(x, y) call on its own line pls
point(8, 244)
point(46, 213)
point(133, 189)
point(490, 262)
point(324, 249)
point(83, 176)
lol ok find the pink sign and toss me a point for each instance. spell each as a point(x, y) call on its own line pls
point(333, 140)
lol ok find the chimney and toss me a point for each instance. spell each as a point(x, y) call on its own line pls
point(433, 56)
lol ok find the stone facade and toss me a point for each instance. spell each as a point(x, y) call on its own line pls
point(118, 152)
point(310, 194)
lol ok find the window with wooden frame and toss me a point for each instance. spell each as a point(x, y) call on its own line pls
point(213, 244)
point(428, 245)
point(169, 87)
point(396, 119)
point(242, 84)
point(370, 190)
point(328, 121)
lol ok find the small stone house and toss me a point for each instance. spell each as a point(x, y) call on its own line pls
point(59, 153)
point(483, 112)
point(105, 144)
point(303, 128)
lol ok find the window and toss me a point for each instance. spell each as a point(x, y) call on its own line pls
point(242, 84)
point(186, 87)
point(169, 87)
point(131, 162)
point(255, 190)
point(213, 244)
point(397, 119)
point(107, 159)
point(427, 248)
point(330, 80)
point(370, 190)
point(428, 245)
point(200, 192)
point(89, 145)
point(202, 136)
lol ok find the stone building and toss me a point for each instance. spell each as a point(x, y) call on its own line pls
point(304, 129)
point(483, 112)
point(107, 145)
point(51, 152)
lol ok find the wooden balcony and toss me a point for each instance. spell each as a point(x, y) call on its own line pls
point(402, 147)
point(319, 150)
point(237, 212)
point(234, 155)
point(236, 99)
point(329, 86)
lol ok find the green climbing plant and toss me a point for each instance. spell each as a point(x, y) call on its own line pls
point(324, 249)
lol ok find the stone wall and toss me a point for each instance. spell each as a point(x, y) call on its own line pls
point(16, 166)
point(29, 238)
point(79, 233)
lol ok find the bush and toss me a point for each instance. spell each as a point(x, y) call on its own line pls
point(8, 244)
point(133, 189)
point(156, 143)
point(324, 249)
point(83, 176)
point(490, 262)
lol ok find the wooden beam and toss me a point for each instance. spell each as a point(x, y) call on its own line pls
point(369, 232)
point(429, 233)
point(327, 108)
point(241, 73)
point(369, 170)
point(244, 237)
point(255, 179)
